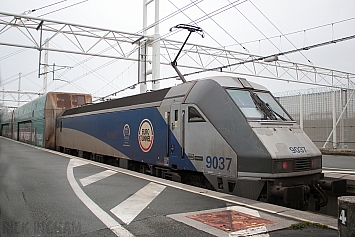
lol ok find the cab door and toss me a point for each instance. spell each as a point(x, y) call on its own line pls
point(176, 136)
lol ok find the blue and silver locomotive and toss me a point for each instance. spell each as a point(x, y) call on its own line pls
point(223, 132)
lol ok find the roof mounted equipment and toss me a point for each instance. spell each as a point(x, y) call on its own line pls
point(191, 29)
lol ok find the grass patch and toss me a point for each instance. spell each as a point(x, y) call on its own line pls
point(302, 225)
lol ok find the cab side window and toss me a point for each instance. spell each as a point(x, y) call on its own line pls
point(195, 116)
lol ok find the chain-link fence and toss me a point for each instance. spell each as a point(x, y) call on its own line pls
point(318, 115)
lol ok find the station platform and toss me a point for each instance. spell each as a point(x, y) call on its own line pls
point(126, 203)
point(205, 211)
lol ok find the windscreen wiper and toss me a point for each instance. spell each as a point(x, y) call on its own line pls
point(280, 116)
point(265, 108)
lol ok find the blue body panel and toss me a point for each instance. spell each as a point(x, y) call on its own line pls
point(111, 128)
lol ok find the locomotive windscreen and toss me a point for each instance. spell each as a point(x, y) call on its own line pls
point(258, 105)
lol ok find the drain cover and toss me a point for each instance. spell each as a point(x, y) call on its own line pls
point(230, 221)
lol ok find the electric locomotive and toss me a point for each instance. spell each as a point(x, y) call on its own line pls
point(224, 132)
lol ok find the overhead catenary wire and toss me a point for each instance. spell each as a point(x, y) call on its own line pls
point(279, 30)
point(15, 78)
point(203, 18)
point(63, 8)
point(211, 14)
point(196, 24)
point(28, 78)
point(294, 32)
point(180, 10)
point(207, 16)
point(82, 64)
point(116, 77)
point(89, 72)
point(214, 13)
point(33, 10)
point(316, 27)
point(257, 28)
point(8, 80)
point(274, 55)
point(221, 27)
point(12, 54)
point(161, 20)
point(108, 48)
point(218, 11)
point(220, 68)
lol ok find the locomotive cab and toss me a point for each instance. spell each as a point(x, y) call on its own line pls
point(250, 145)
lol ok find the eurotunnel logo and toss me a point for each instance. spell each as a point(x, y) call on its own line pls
point(145, 135)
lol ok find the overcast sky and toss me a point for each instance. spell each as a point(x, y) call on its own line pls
point(254, 20)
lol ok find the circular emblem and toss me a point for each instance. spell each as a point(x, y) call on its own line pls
point(145, 135)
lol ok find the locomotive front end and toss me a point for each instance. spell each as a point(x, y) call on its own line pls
point(275, 160)
point(296, 163)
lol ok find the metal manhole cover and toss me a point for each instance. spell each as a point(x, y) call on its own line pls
point(231, 221)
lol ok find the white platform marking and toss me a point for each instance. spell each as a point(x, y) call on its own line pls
point(78, 163)
point(132, 206)
point(111, 223)
point(96, 177)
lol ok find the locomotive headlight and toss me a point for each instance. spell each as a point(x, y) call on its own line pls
point(316, 163)
point(282, 166)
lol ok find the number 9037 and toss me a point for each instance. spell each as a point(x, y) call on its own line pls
point(218, 163)
point(297, 149)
